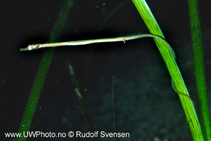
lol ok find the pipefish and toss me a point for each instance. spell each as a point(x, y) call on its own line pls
point(121, 38)
point(104, 40)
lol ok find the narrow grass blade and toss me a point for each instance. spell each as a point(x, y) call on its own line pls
point(202, 101)
point(172, 67)
point(42, 71)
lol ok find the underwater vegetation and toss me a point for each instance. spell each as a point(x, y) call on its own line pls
point(200, 128)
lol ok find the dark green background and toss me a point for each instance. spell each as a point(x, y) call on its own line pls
point(147, 107)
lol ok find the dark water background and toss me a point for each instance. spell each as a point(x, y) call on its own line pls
point(147, 106)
